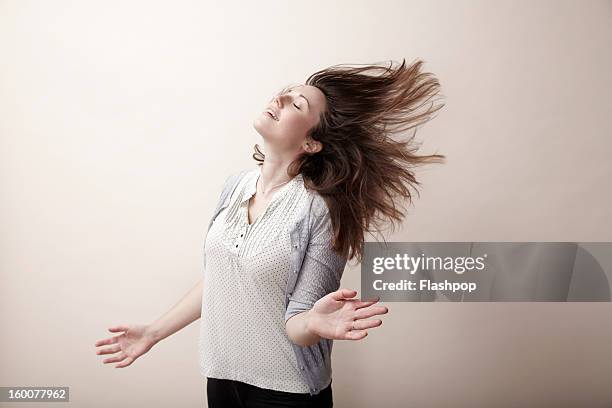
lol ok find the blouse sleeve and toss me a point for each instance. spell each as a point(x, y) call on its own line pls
point(321, 271)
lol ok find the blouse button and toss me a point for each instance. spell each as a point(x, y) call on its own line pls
point(236, 245)
point(241, 234)
point(295, 246)
point(295, 271)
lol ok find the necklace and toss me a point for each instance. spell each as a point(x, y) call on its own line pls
point(271, 188)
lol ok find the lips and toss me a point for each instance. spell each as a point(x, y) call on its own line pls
point(273, 114)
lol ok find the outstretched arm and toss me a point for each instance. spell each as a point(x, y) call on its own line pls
point(318, 308)
point(187, 310)
point(135, 340)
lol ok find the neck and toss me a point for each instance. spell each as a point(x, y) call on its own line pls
point(272, 173)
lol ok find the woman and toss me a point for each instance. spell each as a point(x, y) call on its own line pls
point(281, 235)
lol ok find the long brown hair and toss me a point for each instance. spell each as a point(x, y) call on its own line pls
point(362, 168)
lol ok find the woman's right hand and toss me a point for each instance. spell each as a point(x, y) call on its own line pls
point(133, 342)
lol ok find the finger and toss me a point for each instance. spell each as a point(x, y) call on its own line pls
point(343, 293)
point(356, 334)
point(364, 303)
point(115, 359)
point(366, 324)
point(110, 340)
point(109, 350)
point(120, 328)
point(366, 312)
point(125, 363)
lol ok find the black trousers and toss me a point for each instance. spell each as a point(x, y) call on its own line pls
point(222, 393)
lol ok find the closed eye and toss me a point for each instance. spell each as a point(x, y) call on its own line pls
point(296, 106)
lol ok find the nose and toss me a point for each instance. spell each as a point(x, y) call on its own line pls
point(279, 100)
point(276, 101)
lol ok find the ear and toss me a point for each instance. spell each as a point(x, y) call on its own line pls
point(312, 146)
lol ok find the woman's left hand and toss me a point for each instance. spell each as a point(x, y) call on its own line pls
point(336, 316)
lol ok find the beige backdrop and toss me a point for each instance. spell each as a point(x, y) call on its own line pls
point(121, 120)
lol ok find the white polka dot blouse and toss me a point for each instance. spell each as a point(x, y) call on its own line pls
point(242, 331)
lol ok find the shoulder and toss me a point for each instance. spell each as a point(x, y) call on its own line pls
point(231, 183)
point(320, 219)
point(319, 206)
point(239, 175)
point(236, 177)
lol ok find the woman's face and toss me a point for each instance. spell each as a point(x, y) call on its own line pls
point(286, 120)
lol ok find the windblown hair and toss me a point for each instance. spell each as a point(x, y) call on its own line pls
point(363, 170)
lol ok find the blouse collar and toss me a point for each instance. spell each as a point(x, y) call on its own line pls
point(251, 185)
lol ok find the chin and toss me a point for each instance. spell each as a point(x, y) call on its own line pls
point(260, 128)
